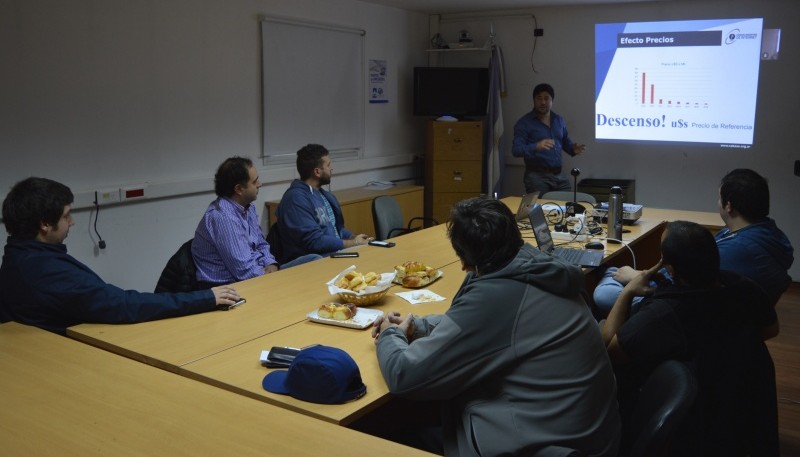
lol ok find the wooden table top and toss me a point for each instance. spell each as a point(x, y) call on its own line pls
point(238, 369)
point(62, 397)
point(274, 301)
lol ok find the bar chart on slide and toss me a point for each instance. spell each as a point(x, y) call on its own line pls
point(680, 82)
point(674, 86)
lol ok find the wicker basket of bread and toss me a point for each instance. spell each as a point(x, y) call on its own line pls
point(361, 289)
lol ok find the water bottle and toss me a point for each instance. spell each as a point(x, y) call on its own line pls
point(615, 215)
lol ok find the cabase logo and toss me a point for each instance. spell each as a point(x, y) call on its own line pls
point(737, 34)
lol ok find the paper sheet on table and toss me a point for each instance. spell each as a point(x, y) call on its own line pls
point(416, 297)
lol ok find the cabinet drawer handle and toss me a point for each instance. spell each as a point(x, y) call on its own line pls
point(457, 140)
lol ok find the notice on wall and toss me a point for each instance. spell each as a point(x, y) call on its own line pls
point(377, 81)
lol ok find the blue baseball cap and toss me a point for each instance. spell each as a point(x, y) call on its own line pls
point(319, 374)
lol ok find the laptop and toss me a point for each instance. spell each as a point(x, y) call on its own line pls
point(525, 205)
point(541, 231)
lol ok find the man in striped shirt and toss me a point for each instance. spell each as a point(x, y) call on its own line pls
point(229, 244)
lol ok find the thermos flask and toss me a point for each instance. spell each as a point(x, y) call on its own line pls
point(615, 215)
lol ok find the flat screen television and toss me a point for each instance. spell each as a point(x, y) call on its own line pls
point(452, 91)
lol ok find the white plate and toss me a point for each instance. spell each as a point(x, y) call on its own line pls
point(364, 318)
point(439, 274)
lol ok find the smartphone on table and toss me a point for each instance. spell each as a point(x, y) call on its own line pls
point(338, 255)
point(383, 244)
point(238, 302)
point(279, 356)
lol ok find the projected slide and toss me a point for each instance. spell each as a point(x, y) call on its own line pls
point(678, 81)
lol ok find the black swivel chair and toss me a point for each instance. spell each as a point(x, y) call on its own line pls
point(179, 275)
point(275, 245)
point(388, 218)
point(664, 400)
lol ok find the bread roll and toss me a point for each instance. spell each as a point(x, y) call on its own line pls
point(415, 274)
point(340, 312)
point(356, 281)
point(327, 310)
point(412, 281)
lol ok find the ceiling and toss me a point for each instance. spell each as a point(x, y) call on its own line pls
point(460, 6)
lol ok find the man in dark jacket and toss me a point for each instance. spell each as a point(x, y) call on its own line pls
point(42, 285)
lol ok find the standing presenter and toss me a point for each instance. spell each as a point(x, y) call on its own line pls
point(539, 138)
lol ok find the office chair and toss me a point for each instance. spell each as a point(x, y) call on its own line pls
point(180, 273)
point(388, 218)
point(664, 400)
point(567, 196)
point(275, 244)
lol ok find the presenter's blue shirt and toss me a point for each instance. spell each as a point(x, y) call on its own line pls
point(529, 130)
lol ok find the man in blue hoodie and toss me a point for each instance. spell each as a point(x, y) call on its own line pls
point(310, 219)
point(750, 244)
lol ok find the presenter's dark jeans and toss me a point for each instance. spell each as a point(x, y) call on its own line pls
point(543, 182)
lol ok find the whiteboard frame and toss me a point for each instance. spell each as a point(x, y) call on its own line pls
point(353, 149)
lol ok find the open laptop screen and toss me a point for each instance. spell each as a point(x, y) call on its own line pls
point(541, 231)
point(525, 205)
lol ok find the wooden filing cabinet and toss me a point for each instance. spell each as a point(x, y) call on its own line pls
point(453, 165)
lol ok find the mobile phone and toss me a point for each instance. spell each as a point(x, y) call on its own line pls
point(238, 302)
point(269, 362)
point(282, 354)
point(383, 244)
point(337, 255)
point(275, 364)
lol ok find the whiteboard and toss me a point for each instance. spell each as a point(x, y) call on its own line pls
point(313, 88)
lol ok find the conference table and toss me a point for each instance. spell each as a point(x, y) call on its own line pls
point(238, 369)
point(222, 348)
point(61, 397)
point(274, 301)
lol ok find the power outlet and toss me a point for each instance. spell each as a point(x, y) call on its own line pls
point(108, 196)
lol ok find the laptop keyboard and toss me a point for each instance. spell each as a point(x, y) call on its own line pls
point(570, 255)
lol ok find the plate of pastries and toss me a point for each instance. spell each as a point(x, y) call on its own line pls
point(414, 274)
point(344, 315)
